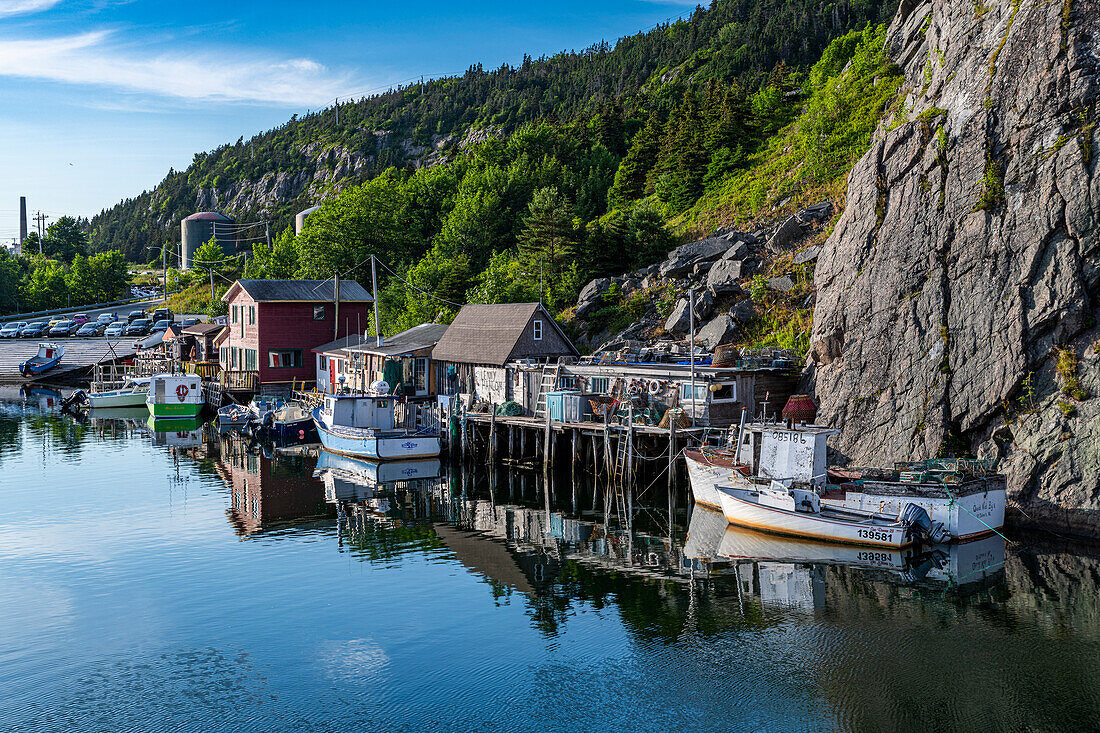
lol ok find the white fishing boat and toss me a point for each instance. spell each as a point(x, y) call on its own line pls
point(133, 393)
point(364, 426)
point(966, 497)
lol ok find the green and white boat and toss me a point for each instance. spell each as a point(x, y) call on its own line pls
point(175, 396)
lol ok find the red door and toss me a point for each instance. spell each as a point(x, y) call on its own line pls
point(331, 375)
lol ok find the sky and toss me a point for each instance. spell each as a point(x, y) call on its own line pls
point(100, 98)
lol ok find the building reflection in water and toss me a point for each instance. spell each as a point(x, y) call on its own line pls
point(269, 491)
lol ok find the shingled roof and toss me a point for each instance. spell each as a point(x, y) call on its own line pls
point(298, 291)
point(488, 334)
point(414, 339)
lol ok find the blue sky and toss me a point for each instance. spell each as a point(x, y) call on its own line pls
point(99, 98)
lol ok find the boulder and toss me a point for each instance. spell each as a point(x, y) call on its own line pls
point(781, 284)
point(786, 235)
point(678, 320)
point(587, 308)
point(724, 290)
point(739, 251)
point(744, 311)
point(817, 212)
point(720, 330)
point(682, 260)
point(810, 254)
point(594, 289)
point(725, 271)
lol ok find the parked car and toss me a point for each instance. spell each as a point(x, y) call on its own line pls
point(161, 325)
point(134, 315)
point(189, 322)
point(106, 318)
point(56, 320)
point(11, 330)
point(114, 330)
point(161, 313)
point(65, 328)
point(138, 327)
point(91, 328)
point(34, 330)
point(80, 319)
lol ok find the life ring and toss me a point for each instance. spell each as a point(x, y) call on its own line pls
point(654, 387)
point(634, 387)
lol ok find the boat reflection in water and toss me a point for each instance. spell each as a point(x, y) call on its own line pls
point(48, 400)
point(176, 432)
point(791, 572)
point(348, 479)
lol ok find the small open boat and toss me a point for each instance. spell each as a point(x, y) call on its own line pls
point(794, 512)
point(48, 356)
point(175, 396)
point(132, 394)
point(234, 416)
point(291, 422)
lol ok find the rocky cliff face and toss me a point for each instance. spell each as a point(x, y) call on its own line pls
point(957, 297)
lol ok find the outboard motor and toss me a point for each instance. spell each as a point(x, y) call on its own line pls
point(921, 526)
point(76, 398)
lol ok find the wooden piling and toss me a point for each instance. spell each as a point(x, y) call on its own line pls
point(492, 434)
point(672, 455)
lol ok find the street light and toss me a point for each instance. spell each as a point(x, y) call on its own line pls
point(163, 269)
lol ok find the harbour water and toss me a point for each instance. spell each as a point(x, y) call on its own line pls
point(180, 581)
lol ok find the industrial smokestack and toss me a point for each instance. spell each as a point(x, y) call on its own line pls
point(22, 221)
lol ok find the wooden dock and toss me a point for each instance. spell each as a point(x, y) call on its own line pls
point(81, 356)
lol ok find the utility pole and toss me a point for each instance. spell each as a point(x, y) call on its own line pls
point(337, 111)
point(374, 288)
point(211, 271)
point(336, 305)
point(40, 218)
point(691, 330)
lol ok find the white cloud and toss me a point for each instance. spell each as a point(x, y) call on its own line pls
point(24, 7)
point(90, 58)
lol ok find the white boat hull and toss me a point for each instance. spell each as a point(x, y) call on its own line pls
point(965, 517)
point(745, 513)
point(368, 443)
point(117, 398)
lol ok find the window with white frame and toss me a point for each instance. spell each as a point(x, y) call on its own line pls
point(538, 329)
point(322, 361)
point(700, 392)
point(284, 358)
point(565, 382)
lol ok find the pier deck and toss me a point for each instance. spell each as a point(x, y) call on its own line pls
point(588, 427)
point(81, 354)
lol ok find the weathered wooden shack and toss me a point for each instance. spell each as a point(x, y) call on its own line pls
point(472, 355)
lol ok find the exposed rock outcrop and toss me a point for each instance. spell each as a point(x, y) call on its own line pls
point(968, 249)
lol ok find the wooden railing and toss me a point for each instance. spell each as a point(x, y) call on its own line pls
point(205, 369)
point(243, 381)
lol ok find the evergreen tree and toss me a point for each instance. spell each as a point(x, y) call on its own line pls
point(609, 128)
point(546, 244)
point(630, 179)
point(683, 160)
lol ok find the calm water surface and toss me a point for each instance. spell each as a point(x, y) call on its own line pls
point(149, 585)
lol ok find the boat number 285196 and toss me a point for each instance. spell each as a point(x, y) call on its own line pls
point(871, 534)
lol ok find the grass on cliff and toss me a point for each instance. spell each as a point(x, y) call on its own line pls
point(846, 95)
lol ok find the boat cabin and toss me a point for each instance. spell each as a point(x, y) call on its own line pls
point(787, 453)
point(359, 411)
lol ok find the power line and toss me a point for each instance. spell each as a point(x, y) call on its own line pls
point(425, 292)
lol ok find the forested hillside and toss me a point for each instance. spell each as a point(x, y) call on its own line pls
point(731, 49)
